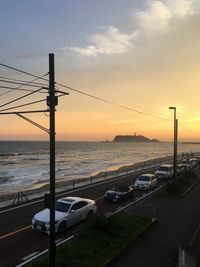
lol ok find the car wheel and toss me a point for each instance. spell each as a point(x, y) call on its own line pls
point(62, 228)
point(90, 215)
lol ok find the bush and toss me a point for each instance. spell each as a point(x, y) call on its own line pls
point(100, 224)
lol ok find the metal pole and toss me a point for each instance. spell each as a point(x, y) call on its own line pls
point(51, 103)
point(175, 150)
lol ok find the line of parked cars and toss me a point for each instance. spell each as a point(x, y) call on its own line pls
point(72, 210)
point(149, 181)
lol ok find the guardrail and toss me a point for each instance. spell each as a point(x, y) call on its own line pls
point(76, 183)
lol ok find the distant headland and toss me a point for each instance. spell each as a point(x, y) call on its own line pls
point(133, 138)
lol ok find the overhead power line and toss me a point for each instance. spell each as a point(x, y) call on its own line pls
point(24, 84)
point(22, 71)
point(112, 103)
point(19, 98)
point(74, 90)
point(23, 81)
point(20, 83)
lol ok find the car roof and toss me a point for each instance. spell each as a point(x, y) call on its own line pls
point(147, 174)
point(71, 200)
point(166, 165)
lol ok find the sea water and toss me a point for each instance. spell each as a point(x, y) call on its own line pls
point(24, 163)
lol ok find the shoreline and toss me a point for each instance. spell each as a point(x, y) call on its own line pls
point(41, 187)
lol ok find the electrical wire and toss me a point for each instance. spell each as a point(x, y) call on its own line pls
point(19, 98)
point(19, 83)
point(112, 103)
point(86, 94)
point(27, 104)
point(23, 105)
point(22, 81)
point(18, 87)
point(24, 72)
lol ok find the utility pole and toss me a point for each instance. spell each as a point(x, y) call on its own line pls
point(175, 150)
point(175, 143)
point(52, 102)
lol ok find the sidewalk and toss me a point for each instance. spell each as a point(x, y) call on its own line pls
point(177, 220)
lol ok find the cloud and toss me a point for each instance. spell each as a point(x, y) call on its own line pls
point(109, 42)
point(157, 18)
point(159, 14)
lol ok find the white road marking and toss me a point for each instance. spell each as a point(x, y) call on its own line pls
point(136, 200)
point(70, 191)
point(30, 255)
point(43, 252)
point(108, 214)
point(59, 240)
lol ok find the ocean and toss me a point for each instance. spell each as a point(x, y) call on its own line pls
point(24, 163)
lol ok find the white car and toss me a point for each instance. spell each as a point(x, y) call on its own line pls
point(68, 211)
point(145, 182)
point(164, 171)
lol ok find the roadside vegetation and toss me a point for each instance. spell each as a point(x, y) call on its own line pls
point(183, 183)
point(99, 240)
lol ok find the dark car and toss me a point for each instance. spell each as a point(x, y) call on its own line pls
point(119, 193)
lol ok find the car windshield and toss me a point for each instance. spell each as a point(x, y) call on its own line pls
point(164, 169)
point(63, 207)
point(119, 188)
point(144, 178)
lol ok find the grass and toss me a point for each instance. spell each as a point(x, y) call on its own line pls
point(183, 183)
point(98, 241)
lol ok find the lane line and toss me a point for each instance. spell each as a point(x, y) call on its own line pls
point(107, 214)
point(74, 190)
point(15, 232)
point(135, 201)
point(59, 240)
point(30, 255)
point(44, 251)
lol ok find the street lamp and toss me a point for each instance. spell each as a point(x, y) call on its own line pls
point(175, 143)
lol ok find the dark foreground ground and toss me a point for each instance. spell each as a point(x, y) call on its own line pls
point(177, 219)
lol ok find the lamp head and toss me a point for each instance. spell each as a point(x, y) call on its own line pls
point(172, 107)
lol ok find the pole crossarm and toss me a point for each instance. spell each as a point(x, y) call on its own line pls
point(33, 122)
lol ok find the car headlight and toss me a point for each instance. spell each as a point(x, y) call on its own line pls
point(117, 196)
point(105, 194)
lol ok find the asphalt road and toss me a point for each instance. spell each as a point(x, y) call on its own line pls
point(177, 219)
point(18, 240)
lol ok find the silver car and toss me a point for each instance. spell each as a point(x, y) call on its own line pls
point(68, 212)
point(146, 182)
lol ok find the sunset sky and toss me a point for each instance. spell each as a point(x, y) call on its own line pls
point(142, 55)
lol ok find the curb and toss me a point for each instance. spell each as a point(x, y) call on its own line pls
point(120, 251)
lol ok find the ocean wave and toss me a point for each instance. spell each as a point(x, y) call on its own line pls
point(5, 163)
point(32, 158)
point(5, 179)
point(10, 154)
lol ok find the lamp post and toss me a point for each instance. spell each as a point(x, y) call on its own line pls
point(175, 143)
